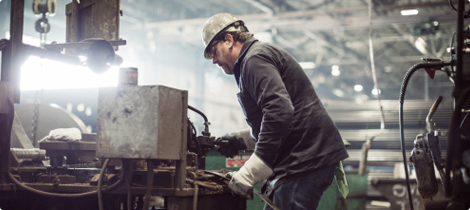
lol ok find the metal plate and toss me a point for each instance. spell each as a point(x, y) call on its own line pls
point(141, 122)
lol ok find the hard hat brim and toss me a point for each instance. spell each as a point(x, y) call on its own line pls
point(229, 28)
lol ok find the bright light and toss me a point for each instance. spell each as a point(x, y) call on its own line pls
point(335, 70)
point(380, 203)
point(338, 92)
point(375, 91)
point(420, 44)
point(409, 12)
point(30, 40)
point(307, 65)
point(358, 88)
point(37, 73)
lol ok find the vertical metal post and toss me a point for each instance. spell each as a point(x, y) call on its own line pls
point(10, 84)
point(6, 122)
point(459, 50)
point(11, 56)
point(180, 178)
point(73, 22)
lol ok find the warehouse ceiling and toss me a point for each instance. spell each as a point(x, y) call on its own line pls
point(326, 32)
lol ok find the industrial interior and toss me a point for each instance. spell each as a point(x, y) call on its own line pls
point(393, 75)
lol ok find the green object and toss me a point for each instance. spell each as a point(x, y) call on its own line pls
point(356, 199)
point(215, 161)
point(341, 180)
point(331, 199)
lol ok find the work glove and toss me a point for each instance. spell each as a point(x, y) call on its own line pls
point(253, 172)
point(229, 145)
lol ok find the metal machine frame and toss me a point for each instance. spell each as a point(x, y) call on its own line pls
point(77, 178)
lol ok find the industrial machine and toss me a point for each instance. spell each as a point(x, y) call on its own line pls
point(146, 152)
point(452, 189)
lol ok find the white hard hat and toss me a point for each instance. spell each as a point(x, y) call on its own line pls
point(216, 25)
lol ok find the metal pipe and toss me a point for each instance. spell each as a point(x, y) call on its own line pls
point(149, 184)
point(50, 54)
point(33, 154)
point(459, 50)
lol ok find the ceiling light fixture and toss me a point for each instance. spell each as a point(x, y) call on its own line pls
point(420, 44)
point(358, 88)
point(339, 93)
point(335, 70)
point(408, 12)
point(37, 73)
point(307, 65)
point(375, 91)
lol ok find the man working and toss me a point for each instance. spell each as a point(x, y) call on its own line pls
point(298, 147)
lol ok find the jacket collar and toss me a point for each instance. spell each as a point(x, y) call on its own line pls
point(236, 68)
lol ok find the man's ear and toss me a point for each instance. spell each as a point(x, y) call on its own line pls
point(228, 38)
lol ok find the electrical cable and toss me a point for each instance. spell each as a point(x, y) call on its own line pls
point(452, 5)
point(374, 75)
point(100, 184)
point(366, 145)
point(62, 195)
point(404, 84)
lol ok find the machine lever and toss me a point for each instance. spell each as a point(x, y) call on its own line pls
point(429, 123)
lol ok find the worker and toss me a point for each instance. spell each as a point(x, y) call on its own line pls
point(298, 147)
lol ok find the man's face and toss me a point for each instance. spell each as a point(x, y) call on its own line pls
point(221, 56)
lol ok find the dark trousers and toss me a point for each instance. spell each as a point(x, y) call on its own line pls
point(303, 192)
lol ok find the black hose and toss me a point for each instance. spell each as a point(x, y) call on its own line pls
point(199, 112)
point(400, 111)
point(206, 121)
point(452, 5)
point(192, 136)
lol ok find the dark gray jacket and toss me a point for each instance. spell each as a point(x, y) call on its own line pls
point(294, 133)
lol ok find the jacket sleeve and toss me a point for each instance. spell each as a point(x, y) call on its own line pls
point(264, 83)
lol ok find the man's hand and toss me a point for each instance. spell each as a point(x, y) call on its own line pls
point(241, 188)
point(229, 145)
point(254, 171)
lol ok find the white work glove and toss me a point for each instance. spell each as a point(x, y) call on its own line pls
point(254, 171)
